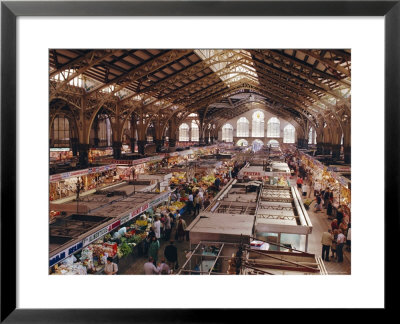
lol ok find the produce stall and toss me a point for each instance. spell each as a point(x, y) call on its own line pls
point(64, 185)
point(108, 211)
point(97, 154)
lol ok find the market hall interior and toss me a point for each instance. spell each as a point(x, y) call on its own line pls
point(241, 157)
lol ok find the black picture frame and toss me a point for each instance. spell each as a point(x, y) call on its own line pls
point(10, 10)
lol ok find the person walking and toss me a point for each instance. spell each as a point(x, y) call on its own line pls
point(171, 254)
point(318, 204)
point(164, 268)
point(180, 230)
point(326, 240)
point(167, 227)
point(334, 244)
point(299, 183)
point(153, 250)
point(341, 239)
point(326, 198)
point(348, 239)
point(190, 204)
point(197, 204)
point(150, 268)
point(157, 227)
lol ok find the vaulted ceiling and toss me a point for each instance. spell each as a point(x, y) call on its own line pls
point(298, 84)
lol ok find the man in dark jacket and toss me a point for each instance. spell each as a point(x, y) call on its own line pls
point(171, 254)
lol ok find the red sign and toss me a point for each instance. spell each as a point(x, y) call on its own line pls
point(114, 225)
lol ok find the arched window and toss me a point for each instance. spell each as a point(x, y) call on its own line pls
point(288, 134)
point(227, 133)
point(273, 127)
point(61, 132)
point(257, 129)
point(273, 143)
point(312, 136)
point(184, 133)
point(195, 131)
point(242, 142)
point(105, 131)
point(257, 145)
point(242, 127)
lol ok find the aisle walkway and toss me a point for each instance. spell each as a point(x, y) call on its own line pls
point(321, 223)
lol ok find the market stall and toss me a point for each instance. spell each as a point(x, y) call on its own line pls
point(281, 217)
point(65, 185)
point(117, 213)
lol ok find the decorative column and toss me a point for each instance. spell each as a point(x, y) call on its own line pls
point(320, 149)
point(83, 155)
point(74, 146)
point(117, 146)
point(96, 132)
point(336, 151)
point(133, 133)
point(347, 154)
point(141, 145)
point(159, 145)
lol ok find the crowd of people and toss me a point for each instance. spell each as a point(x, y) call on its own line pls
point(197, 197)
point(338, 235)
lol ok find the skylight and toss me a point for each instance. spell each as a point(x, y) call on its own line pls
point(230, 72)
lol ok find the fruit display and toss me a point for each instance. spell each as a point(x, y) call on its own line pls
point(75, 269)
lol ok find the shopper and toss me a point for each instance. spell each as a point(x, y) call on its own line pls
point(110, 268)
point(326, 240)
point(348, 240)
point(343, 226)
point(326, 198)
point(153, 250)
point(318, 204)
point(171, 254)
point(164, 268)
point(150, 268)
point(299, 183)
point(180, 231)
point(167, 227)
point(341, 239)
point(197, 204)
point(329, 209)
point(190, 205)
point(334, 225)
point(339, 215)
point(217, 183)
point(157, 227)
point(334, 244)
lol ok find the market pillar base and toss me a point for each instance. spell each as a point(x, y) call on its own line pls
point(326, 148)
point(74, 146)
point(206, 141)
point(83, 155)
point(96, 141)
point(117, 146)
point(347, 154)
point(320, 149)
point(141, 146)
point(159, 145)
point(336, 151)
point(133, 144)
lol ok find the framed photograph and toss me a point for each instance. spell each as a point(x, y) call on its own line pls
point(34, 33)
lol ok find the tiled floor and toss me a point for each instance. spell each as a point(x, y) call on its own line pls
point(320, 224)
